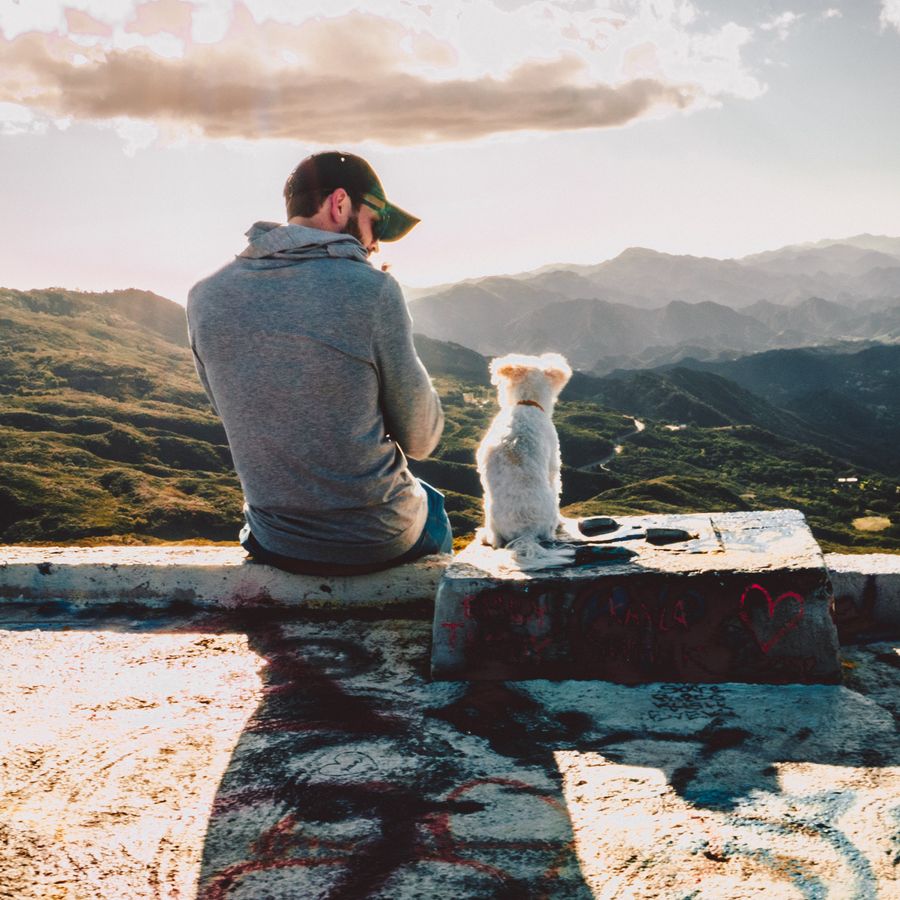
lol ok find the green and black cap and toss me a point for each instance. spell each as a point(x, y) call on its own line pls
point(323, 173)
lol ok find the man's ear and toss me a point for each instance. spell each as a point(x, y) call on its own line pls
point(339, 205)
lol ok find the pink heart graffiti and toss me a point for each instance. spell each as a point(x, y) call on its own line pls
point(771, 605)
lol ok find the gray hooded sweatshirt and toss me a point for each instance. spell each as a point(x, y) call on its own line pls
point(305, 351)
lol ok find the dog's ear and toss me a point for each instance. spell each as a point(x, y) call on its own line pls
point(508, 367)
point(512, 372)
point(556, 369)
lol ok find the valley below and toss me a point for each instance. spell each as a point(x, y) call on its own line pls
point(639, 426)
point(106, 435)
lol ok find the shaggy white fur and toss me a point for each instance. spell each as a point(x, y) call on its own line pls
point(519, 461)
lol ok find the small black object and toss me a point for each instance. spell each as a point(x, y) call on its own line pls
point(592, 554)
point(660, 536)
point(597, 525)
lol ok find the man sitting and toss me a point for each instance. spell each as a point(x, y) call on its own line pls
point(305, 351)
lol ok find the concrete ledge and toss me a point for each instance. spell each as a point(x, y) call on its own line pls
point(866, 592)
point(866, 586)
point(220, 577)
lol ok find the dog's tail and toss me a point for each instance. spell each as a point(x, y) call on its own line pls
point(530, 554)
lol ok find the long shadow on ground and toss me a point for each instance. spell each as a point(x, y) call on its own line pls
point(356, 776)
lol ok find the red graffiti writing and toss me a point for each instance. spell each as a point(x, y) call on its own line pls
point(452, 628)
point(449, 849)
point(666, 618)
point(288, 843)
point(514, 623)
point(514, 608)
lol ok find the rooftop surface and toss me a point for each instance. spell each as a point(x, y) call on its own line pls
point(300, 750)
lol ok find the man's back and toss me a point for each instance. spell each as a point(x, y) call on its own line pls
point(306, 352)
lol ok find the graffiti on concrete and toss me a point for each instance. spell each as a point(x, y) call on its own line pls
point(639, 629)
point(361, 815)
point(775, 627)
point(405, 831)
point(357, 776)
point(689, 702)
point(680, 612)
point(813, 815)
point(854, 614)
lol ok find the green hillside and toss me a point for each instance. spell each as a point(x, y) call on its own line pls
point(851, 398)
point(106, 436)
point(105, 432)
point(712, 444)
point(747, 467)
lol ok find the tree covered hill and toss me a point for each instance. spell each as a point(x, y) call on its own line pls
point(849, 398)
point(106, 435)
point(104, 429)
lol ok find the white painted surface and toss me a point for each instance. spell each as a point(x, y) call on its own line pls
point(205, 576)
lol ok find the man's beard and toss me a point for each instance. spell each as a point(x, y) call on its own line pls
point(352, 227)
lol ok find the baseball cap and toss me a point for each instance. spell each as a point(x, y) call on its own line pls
point(326, 172)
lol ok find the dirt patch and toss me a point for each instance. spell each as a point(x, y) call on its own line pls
point(872, 523)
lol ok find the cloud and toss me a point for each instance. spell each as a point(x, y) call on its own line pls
point(171, 16)
point(832, 13)
point(79, 22)
point(890, 14)
point(250, 101)
point(362, 76)
point(782, 24)
point(16, 119)
point(135, 134)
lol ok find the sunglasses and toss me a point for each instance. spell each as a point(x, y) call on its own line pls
point(379, 225)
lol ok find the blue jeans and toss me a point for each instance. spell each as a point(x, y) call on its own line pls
point(436, 537)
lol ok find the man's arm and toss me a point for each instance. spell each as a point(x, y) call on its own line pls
point(201, 372)
point(192, 340)
point(411, 406)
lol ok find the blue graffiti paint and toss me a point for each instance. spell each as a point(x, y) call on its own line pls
point(823, 810)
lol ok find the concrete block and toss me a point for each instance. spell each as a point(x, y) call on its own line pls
point(747, 599)
point(221, 577)
point(866, 593)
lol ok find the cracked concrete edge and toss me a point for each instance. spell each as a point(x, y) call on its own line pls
point(217, 577)
point(221, 577)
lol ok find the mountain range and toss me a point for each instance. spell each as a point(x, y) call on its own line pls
point(645, 308)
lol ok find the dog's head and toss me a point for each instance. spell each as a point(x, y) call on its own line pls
point(537, 378)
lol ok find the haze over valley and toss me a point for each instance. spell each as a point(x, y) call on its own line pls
point(644, 308)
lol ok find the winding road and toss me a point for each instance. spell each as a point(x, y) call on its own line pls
point(639, 426)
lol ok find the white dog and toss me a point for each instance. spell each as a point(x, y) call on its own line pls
point(519, 462)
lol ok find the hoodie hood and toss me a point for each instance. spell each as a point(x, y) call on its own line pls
point(269, 240)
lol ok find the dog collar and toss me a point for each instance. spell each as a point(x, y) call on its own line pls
point(531, 403)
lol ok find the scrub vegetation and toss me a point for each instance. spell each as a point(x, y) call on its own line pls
point(106, 436)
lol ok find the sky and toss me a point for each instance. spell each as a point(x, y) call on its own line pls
point(140, 140)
